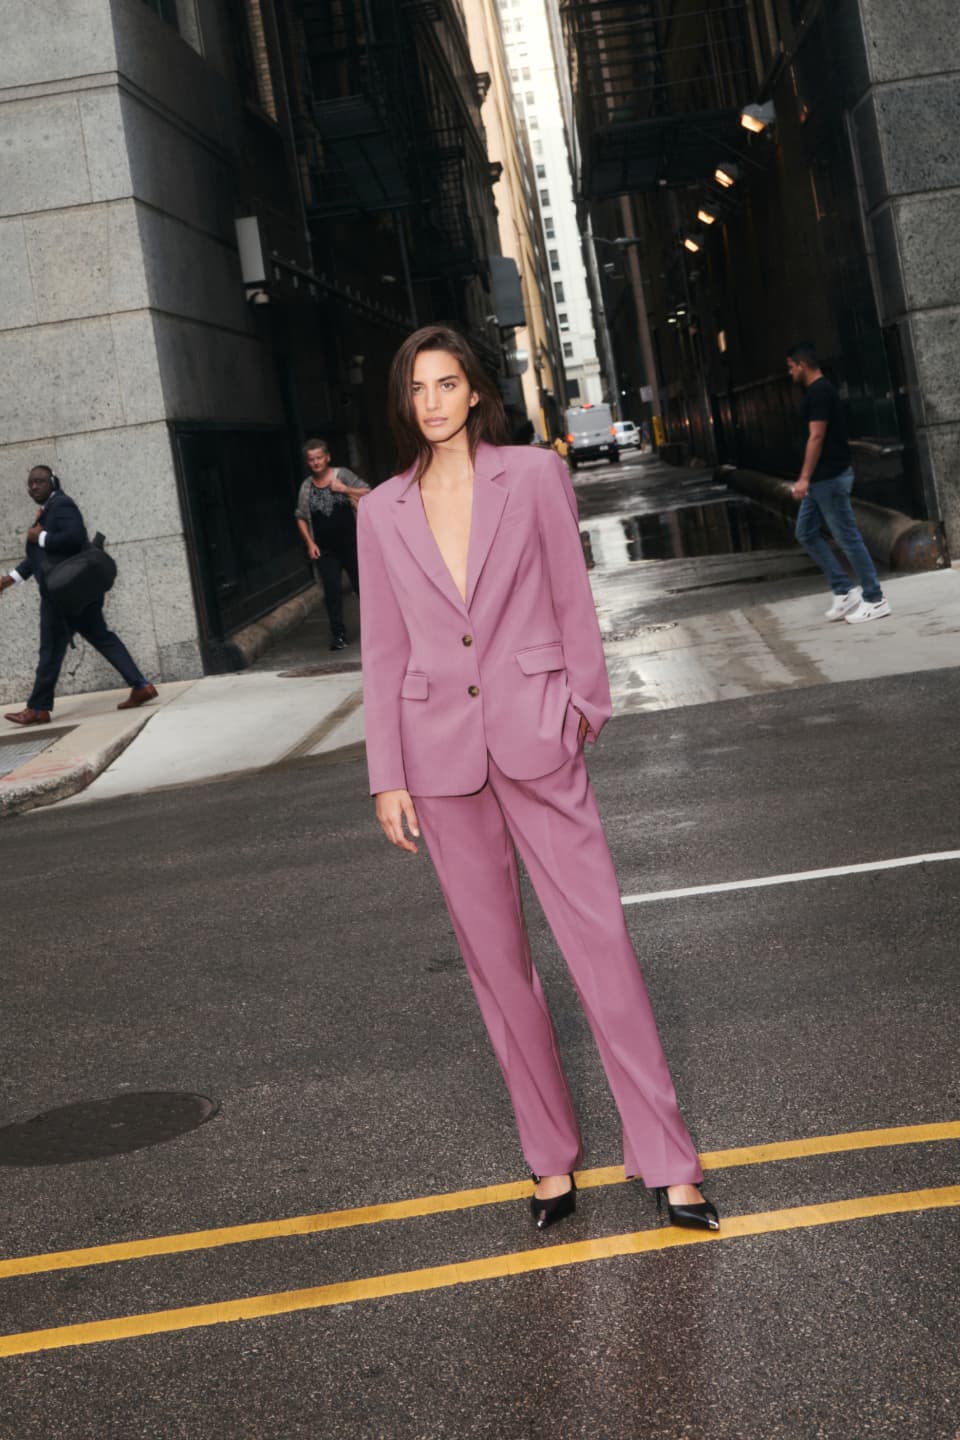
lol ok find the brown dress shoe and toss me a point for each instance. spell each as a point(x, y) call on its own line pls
point(29, 717)
point(138, 696)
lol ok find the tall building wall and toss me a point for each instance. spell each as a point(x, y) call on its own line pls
point(517, 215)
point(124, 308)
point(533, 73)
point(906, 125)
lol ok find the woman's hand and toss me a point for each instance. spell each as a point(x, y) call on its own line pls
point(393, 807)
point(313, 550)
point(582, 731)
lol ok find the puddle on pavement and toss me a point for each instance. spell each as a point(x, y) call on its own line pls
point(721, 527)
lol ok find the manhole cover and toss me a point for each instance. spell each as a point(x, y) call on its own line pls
point(96, 1129)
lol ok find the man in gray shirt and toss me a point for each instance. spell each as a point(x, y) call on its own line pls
point(326, 519)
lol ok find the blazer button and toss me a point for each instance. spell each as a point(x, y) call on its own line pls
point(468, 639)
point(473, 690)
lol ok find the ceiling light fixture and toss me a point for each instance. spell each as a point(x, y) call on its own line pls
point(757, 117)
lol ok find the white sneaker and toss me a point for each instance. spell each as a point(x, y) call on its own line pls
point(867, 611)
point(843, 604)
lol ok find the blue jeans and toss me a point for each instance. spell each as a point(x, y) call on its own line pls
point(828, 502)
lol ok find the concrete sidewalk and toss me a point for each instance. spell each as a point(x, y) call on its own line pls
point(198, 731)
point(223, 725)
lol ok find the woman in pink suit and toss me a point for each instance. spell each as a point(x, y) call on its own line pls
point(483, 676)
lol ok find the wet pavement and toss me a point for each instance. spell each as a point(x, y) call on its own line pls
point(302, 1211)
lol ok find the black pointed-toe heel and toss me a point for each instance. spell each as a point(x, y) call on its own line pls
point(690, 1217)
point(548, 1212)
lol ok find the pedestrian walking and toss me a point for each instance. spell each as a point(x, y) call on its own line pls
point(823, 489)
point(483, 676)
point(58, 532)
point(326, 518)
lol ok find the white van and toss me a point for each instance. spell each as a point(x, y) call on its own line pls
point(590, 434)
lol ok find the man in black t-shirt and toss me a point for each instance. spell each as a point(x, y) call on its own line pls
point(823, 489)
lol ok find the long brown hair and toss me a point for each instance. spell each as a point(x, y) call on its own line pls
point(486, 420)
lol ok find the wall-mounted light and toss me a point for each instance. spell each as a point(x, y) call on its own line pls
point(671, 320)
point(693, 243)
point(706, 217)
point(758, 117)
point(722, 341)
point(727, 175)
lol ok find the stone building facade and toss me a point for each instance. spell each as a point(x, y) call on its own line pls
point(168, 387)
point(834, 223)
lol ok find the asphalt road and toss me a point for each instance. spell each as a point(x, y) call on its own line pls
point(256, 942)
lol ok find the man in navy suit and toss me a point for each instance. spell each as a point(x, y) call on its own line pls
point(57, 532)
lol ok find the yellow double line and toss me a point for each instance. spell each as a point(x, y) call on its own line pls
point(467, 1272)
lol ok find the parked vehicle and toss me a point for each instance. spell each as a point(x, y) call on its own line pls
point(590, 434)
point(627, 434)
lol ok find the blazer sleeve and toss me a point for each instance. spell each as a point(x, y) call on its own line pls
point(66, 533)
point(385, 647)
point(572, 596)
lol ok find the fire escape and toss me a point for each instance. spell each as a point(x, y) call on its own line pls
point(656, 85)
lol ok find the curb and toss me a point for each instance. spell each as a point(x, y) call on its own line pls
point(244, 646)
point(894, 539)
point(60, 780)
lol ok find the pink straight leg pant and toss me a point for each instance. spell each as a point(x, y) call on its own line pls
point(555, 824)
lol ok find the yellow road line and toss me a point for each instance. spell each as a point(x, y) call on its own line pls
point(452, 1200)
point(438, 1277)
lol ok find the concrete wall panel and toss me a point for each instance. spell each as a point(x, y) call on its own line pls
point(86, 261)
point(138, 375)
point(16, 289)
point(56, 41)
point(936, 346)
point(124, 480)
point(191, 274)
point(42, 160)
point(162, 64)
point(60, 379)
point(918, 123)
point(105, 144)
point(903, 41)
point(211, 375)
point(929, 244)
point(175, 173)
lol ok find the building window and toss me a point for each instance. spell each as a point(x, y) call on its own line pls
point(554, 260)
point(544, 197)
point(558, 291)
point(562, 317)
point(567, 350)
point(529, 97)
point(541, 172)
point(526, 72)
point(167, 10)
point(538, 147)
point(514, 76)
point(549, 229)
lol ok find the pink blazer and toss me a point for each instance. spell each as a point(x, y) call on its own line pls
point(507, 672)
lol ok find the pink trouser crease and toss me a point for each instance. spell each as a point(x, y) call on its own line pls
point(555, 824)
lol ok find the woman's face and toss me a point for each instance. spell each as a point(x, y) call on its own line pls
point(442, 398)
point(318, 460)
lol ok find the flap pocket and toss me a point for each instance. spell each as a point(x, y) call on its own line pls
point(540, 658)
point(415, 686)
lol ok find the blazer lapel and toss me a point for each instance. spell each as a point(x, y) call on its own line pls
point(416, 534)
point(489, 498)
